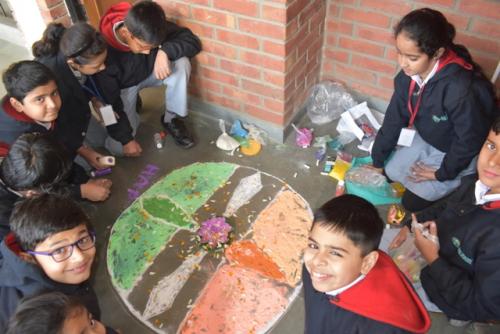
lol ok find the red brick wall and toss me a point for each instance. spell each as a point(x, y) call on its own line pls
point(54, 11)
point(259, 57)
point(359, 48)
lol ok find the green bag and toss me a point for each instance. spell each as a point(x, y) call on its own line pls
point(376, 196)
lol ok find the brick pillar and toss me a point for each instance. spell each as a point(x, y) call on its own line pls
point(259, 57)
point(54, 11)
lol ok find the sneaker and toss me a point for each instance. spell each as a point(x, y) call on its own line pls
point(177, 129)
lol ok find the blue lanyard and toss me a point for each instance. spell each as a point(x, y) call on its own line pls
point(93, 90)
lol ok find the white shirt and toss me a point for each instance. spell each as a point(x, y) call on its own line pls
point(481, 196)
point(419, 80)
point(342, 289)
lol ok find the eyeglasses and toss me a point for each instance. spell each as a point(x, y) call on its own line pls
point(63, 253)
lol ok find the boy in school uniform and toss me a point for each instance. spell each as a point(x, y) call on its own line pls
point(463, 272)
point(32, 105)
point(54, 312)
point(51, 248)
point(32, 102)
point(349, 285)
point(146, 50)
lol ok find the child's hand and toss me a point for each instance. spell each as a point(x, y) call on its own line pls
point(96, 190)
point(132, 149)
point(421, 172)
point(91, 156)
point(162, 65)
point(400, 238)
point(426, 241)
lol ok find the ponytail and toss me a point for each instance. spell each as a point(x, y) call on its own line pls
point(49, 44)
point(80, 42)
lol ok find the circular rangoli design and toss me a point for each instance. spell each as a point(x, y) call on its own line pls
point(173, 285)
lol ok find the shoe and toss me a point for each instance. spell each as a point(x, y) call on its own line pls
point(177, 129)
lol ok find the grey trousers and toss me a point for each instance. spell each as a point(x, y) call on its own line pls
point(175, 102)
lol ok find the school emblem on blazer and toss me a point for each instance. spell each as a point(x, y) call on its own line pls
point(438, 119)
point(460, 252)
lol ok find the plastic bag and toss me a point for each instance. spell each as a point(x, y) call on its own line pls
point(408, 259)
point(366, 176)
point(327, 100)
point(226, 142)
point(377, 195)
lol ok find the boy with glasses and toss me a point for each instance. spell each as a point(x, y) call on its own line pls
point(51, 248)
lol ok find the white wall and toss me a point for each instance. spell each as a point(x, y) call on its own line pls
point(29, 21)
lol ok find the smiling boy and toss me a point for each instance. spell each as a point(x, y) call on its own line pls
point(349, 285)
point(51, 248)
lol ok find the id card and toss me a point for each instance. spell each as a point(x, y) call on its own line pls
point(406, 137)
point(108, 115)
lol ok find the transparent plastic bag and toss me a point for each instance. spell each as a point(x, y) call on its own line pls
point(408, 259)
point(327, 100)
point(366, 176)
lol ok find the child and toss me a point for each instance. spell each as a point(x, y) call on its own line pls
point(463, 272)
point(75, 54)
point(51, 247)
point(439, 114)
point(349, 285)
point(32, 105)
point(162, 51)
point(32, 102)
point(54, 313)
point(35, 164)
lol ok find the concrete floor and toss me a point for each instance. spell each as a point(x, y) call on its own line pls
point(280, 160)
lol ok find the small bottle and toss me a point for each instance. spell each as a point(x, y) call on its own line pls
point(158, 139)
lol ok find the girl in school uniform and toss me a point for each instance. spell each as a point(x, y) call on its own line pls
point(439, 114)
point(74, 55)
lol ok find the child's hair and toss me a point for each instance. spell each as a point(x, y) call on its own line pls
point(355, 217)
point(35, 162)
point(431, 30)
point(44, 313)
point(35, 219)
point(495, 127)
point(146, 21)
point(80, 42)
point(24, 76)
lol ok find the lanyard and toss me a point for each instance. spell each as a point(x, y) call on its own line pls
point(93, 90)
point(413, 112)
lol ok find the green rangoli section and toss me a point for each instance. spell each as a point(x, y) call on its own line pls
point(164, 209)
point(134, 243)
point(146, 227)
point(190, 187)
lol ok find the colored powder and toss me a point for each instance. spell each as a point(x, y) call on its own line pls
point(247, 188)
point(246, 254)
point(163, 208)
point(236, 301)
point(134, 243)
point(191, 186)
point(281, 230)
point(164, 293)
